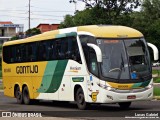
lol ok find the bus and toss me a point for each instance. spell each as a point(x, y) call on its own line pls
point(91, 64)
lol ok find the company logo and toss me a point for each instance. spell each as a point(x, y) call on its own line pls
point(94, 96)
point(123, 86)
point(27, 69)
point(74, 69)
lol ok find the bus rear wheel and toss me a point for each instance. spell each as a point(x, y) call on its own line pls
point(80, 99)
point(18, 95)
point(124, 105)
point(26, 97)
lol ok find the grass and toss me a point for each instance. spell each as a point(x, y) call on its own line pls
point(156, 91)
point(156, 79)
point(155, 72)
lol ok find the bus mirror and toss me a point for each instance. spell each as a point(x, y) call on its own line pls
point(97, 50)
point(155, 51)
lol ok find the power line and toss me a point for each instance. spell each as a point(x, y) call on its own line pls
point(46, 15)
point(38, 10)
point(31, 18)
point(12, 16)
point(52, 9)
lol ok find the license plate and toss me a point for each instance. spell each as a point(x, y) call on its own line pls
point(131, 97)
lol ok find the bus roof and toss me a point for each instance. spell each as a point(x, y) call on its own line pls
point(104, 31)
point(111, 31)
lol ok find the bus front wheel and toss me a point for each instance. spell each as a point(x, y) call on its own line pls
point(80, 99)
point(26, 97)
point(18, 95)
point(124, 105)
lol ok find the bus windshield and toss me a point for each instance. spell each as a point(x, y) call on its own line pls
point(124, 58)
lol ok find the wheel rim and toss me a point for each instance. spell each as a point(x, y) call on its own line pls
point(18, 94)
point(81, 98)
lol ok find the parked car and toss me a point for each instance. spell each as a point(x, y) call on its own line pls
point(156, 64)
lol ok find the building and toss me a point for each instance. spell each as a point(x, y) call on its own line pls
point(47, 27)
point(8, 30)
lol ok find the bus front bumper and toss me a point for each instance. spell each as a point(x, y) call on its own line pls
point(125, 95)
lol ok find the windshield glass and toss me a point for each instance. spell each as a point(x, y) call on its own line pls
point(114, 59)
point(138, 58)
point(124, 59)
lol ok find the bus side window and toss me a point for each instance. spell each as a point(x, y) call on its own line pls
point(52, 50)
point(23, 53)
point(7, 54)
point(31, 55)
point(63, 48)
point(89, 53)
point(13, 54)
point(41, 49)
point(92, 62)
point(69, 52)
point(75, 50)
point(18, 53)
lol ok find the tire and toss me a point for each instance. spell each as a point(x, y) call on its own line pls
point(124, 105)
point(80, 100)
point(18, 95)
point(26, 97)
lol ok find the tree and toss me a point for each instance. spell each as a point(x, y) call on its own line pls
point(68, 22)
point(103, 12)
point(33, 31)
point(148, 21)
point(114, 8)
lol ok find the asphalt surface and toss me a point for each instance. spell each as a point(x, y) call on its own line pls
point(68, 110)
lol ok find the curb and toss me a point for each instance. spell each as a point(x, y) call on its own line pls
point(156, 97)
point(1, 90)
point(156, 83)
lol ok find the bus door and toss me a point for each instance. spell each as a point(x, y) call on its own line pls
point(92, 80)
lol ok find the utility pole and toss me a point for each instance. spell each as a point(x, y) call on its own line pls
point(29, 15)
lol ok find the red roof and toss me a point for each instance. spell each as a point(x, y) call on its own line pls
point(47, 27)
point(6, 22)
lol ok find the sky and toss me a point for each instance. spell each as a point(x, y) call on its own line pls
point(42, 11)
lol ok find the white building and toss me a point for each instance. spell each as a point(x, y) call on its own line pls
point(8, 30)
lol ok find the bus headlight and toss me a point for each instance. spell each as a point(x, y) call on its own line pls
point(106, 87)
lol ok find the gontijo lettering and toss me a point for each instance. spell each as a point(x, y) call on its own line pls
point(27, 69)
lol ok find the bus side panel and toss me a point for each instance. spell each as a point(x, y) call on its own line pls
point(76, 75)
point(7, 86)
point(52, 79)
point(7, 81)
point(37, 80)
point(65, 92)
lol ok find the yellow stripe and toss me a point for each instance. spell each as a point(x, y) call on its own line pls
point(44, 36)
point(120, 86)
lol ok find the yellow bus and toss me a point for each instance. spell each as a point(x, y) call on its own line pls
point(86, 64)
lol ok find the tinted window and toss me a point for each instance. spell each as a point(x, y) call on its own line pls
point(89, 53)
point(58, 49)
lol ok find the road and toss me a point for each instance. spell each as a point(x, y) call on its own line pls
point(69, 110)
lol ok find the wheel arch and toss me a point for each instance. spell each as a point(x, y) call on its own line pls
point(76, 87)
point(15, 86)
